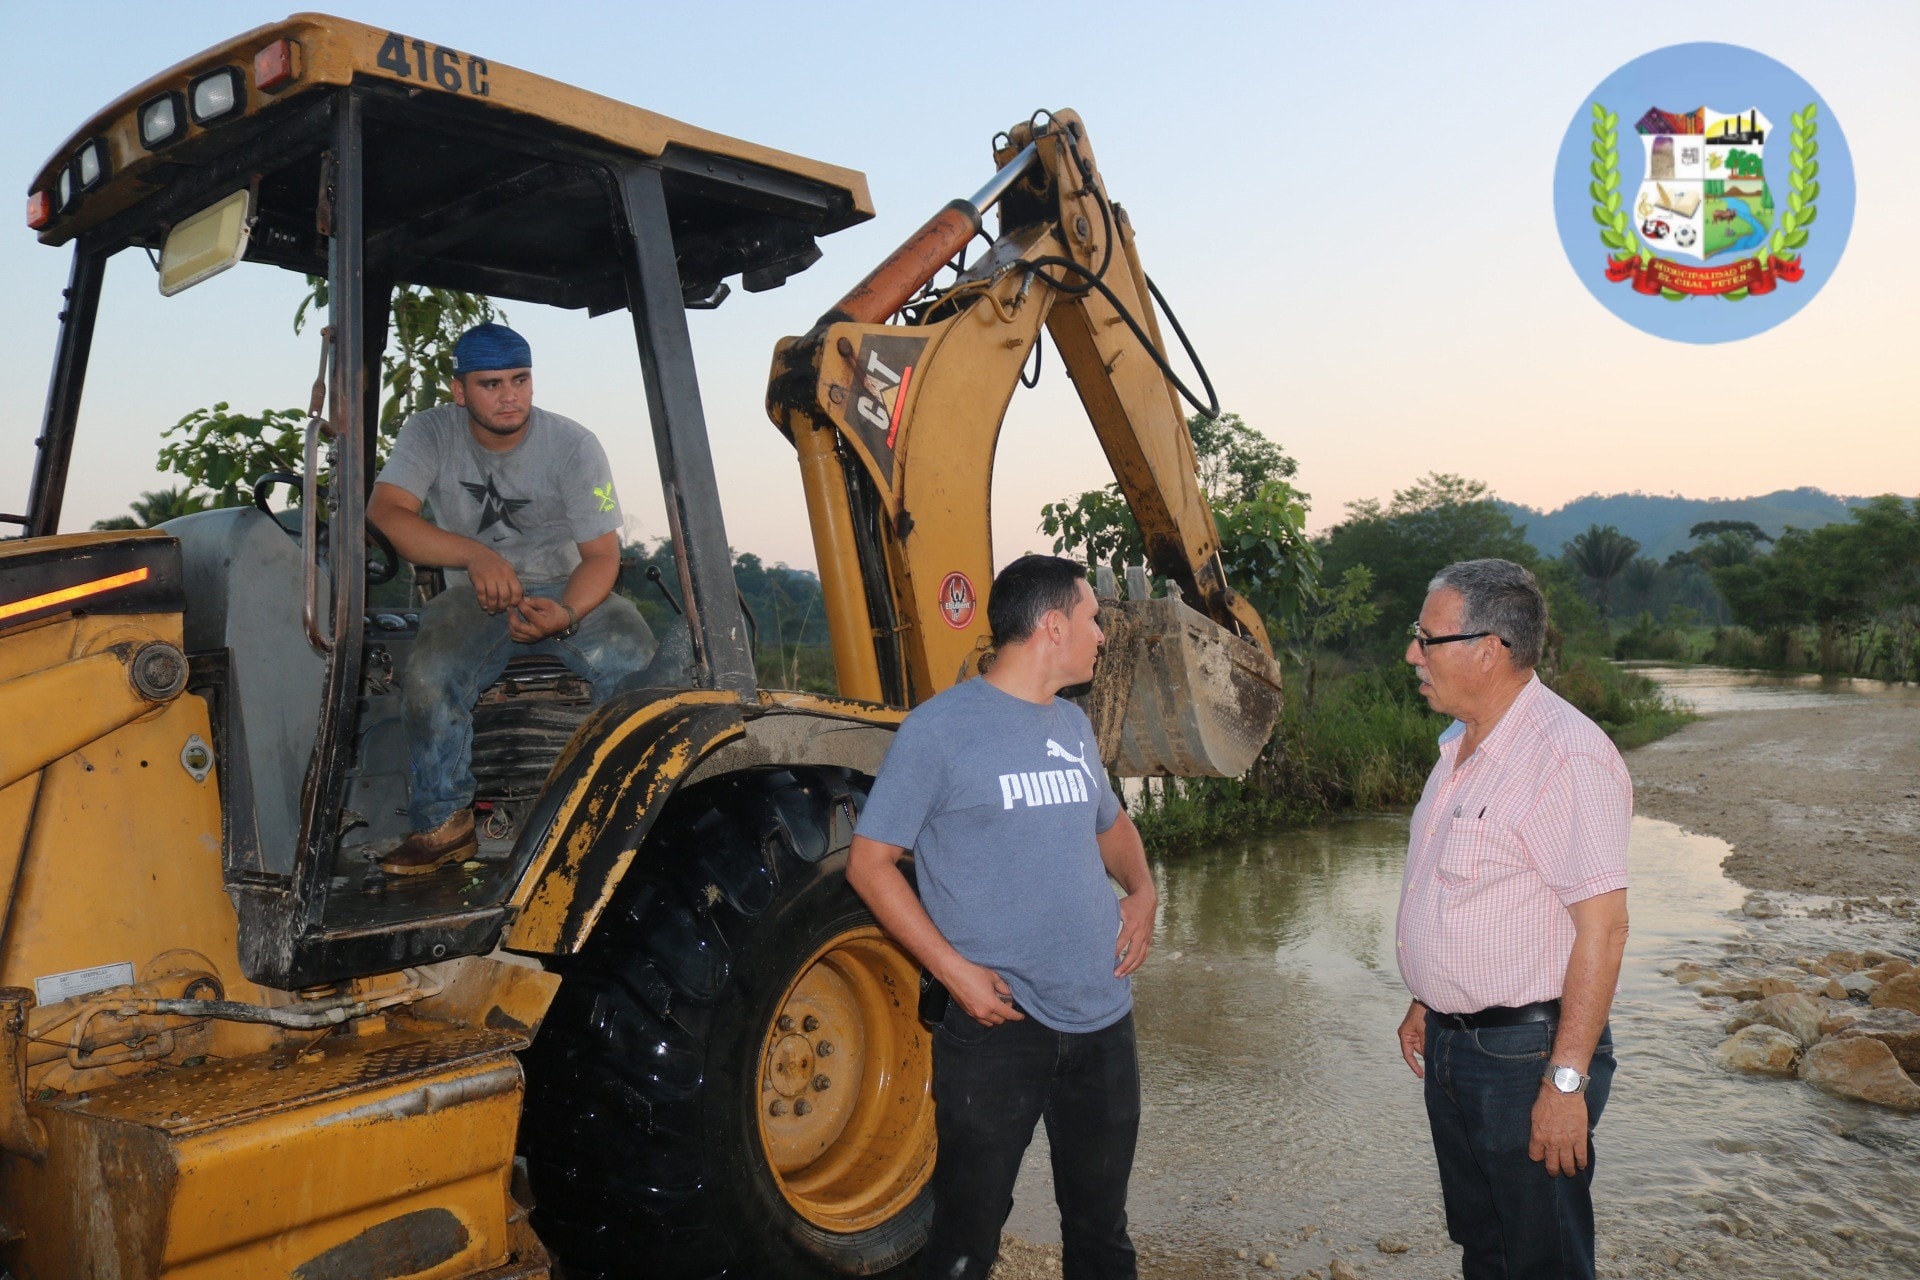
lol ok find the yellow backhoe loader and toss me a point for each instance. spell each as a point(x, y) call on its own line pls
point(647, 1030)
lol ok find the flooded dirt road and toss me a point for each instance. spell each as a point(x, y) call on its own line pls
point(1815, 781)
point(1281, 1130)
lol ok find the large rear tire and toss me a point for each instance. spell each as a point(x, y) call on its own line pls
point(733, 1079)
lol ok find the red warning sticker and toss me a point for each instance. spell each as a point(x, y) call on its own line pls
point(957, 601)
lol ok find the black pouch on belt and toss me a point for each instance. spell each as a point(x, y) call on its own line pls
point(933, 1000)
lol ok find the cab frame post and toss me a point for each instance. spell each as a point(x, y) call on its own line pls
point(55, 445)
point(680, 434)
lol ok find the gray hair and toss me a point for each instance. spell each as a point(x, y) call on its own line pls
point(1502, 597)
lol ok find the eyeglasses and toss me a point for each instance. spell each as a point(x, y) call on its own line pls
point(1427, 642)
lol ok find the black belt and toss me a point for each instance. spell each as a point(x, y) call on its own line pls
point(1500, 1015)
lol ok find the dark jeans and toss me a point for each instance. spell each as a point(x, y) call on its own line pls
point(990, 1085)
point(461, 650)
point(1513, 1220)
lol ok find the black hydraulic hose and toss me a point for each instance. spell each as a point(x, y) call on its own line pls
point(1034, 381)
point(1095, 279)
point(1211, 408)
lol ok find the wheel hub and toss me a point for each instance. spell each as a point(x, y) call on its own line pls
point(790, 1066)
point(845, 1101)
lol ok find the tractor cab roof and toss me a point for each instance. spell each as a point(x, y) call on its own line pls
point(480, 176)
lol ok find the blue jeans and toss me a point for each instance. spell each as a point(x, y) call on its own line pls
point(461, 649)
point(990, 1086)
point(1512, 1218)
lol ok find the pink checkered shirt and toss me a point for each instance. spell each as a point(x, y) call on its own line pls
point(1534, 821)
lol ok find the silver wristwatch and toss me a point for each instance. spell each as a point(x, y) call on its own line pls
point(1565, 1079)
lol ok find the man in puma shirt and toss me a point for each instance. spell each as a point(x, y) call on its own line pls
point(997, 788)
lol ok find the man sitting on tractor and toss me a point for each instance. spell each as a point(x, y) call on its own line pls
point(523, 506)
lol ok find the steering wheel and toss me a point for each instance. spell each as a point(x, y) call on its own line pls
point(378, 571)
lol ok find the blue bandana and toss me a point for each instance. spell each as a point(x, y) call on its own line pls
point(490, 346)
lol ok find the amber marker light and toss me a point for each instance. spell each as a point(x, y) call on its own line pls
point(39, 210)
point(79, 591)
point(273, 66)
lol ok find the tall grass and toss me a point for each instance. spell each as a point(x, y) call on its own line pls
point(1366, 742)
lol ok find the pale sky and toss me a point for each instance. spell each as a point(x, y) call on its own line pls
point(1350, 207)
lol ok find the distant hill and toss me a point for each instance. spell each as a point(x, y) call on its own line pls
point(1659, 524)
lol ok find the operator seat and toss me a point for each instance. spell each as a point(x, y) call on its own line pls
point(243, 590)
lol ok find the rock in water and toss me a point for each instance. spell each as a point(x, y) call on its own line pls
point(1838, 1019)
point(1776, 987)
point(1796, 1014)
point(1759, 1048)
point(1895, 1028)
point(1859, 985)
point(1902, 992)
point(1688, 972)
point(1392, 1244)
point(1834, 991)
point(1339, 1270)
point(1744, 1014)
point(1860, 1067)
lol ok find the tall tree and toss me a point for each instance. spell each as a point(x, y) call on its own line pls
point(1437, 520)
point(1600, 555)
point(1258, 514)
point(222, 451)
point(1712, 528)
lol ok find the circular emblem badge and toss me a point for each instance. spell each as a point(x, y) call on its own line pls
point(957, 601)
point(1704, 193)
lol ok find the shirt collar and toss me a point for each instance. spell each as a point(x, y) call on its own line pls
point(1496, 740)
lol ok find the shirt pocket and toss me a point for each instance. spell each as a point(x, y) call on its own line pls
point(1476, 849)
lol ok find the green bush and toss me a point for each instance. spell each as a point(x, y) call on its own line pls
point(1649, 640)
point(1630, 707)
point(1366, 742)
point(807, 668)
point(1735, 647)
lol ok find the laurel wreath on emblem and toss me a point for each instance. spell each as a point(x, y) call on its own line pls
point(1789, 232)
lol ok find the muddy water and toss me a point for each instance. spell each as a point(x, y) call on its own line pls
point(1280, 1120)
point(1716, 689)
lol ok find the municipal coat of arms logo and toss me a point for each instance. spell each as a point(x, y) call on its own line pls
point(1704, 196)
point(1715, 199)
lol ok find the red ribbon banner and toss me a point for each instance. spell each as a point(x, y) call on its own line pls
point(1748, 274)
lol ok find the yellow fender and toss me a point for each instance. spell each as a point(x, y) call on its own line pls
point(603, 796)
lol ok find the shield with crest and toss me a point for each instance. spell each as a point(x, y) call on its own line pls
point(1704, 193)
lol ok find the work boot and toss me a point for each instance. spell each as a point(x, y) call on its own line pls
point(428, 851)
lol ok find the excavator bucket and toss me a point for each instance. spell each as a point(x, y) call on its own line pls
point(1177, 694)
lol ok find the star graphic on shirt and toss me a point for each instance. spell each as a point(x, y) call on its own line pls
point(494, 509)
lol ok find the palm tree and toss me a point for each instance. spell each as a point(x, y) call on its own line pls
point(1642, 579)
point(155, 508)
point(1600, 555)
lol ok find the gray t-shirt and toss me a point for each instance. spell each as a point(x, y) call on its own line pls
point(1001, 801)
point(533, 504)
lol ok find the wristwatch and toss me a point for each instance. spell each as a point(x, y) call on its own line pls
point(573, 622)
point(1565, 1079)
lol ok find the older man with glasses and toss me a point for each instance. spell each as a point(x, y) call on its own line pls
point(1512, 924)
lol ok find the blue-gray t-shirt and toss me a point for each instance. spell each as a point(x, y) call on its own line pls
point(1001, 801)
